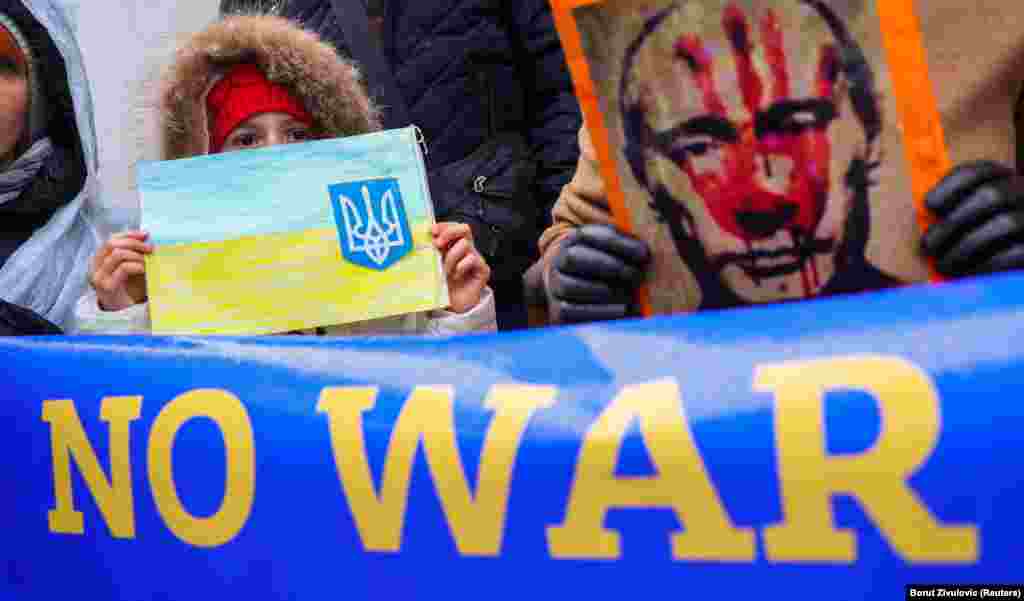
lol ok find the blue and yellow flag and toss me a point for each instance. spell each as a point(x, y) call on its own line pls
point(291, 237)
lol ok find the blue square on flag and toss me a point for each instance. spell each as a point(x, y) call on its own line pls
point(373, 228)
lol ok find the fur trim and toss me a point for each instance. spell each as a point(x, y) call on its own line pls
point(328, 85)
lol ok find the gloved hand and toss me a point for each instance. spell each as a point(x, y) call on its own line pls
point(980, 227)
point(594, 275)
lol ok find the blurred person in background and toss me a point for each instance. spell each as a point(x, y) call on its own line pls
point(47, 169)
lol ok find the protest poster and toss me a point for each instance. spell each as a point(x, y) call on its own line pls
point(291, 237)
point(767, 150)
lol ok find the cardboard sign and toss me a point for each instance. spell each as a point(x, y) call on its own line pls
point(768, 150)
point(975, 62)
point(291, 237)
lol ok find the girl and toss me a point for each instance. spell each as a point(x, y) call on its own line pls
point(256, 81)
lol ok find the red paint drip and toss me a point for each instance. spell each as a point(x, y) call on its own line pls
point(750, 249)
point(795, 237)
point(815, 276)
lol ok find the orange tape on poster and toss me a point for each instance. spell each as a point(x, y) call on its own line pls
point(925, 144)
point(594, 120)
point(919, 111)
point(587, 97)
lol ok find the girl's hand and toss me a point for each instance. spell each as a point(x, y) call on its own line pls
point(119, 271)
point(466, 270)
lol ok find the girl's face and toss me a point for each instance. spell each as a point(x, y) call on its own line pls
point(267, 129)
point(13, 107)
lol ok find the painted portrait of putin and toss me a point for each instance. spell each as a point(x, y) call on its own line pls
point(757, 143)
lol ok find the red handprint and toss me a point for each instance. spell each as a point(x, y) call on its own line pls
point(768, 170)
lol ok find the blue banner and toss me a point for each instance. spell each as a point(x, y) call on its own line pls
point(837, 448)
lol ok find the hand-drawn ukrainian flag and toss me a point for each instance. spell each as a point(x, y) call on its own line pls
point(291, 237)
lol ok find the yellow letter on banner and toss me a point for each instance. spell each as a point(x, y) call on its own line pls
point(228, 413)
point(682, 483)
point(68, 440)
point(478, 523)
point(909, 406)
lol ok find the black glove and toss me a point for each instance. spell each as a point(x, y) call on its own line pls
point(594, 275)
point(980, 227)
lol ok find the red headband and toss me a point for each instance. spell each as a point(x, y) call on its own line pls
point(242, 93)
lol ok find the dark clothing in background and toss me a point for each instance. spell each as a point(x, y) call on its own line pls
point(487, 83)
point(19, 321)
point(63, 175)
point(56, 184)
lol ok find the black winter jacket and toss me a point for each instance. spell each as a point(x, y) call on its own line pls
point(19, 321)
point(467, 69)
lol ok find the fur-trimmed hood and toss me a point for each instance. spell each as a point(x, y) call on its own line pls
point(328, 85)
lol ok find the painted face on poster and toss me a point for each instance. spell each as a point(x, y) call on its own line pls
point(759, 128)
